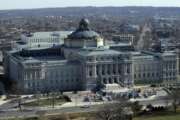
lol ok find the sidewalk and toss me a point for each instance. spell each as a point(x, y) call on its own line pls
point(73, 104)
point(66, 105)
point(2, 101)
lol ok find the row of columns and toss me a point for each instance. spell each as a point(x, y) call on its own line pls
point(111, 80)
point(109, 73)
point(103, 69)
point(32, 74)
point(108, 69)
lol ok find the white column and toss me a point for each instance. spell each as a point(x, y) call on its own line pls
point(94, 71)
point(125, 69)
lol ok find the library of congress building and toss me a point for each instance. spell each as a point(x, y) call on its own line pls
point(83, 61)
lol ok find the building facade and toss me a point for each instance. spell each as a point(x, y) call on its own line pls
point(155, 68)
point(82, 62)
point(124, 38)
point(41, 39)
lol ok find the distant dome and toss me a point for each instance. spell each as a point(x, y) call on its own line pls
point(83, 32)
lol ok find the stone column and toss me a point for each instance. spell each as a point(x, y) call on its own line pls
point(35, 74)
point(125, 69)
point(118, 67)
point(130, 67)
point(87, 70)
point(94, 70)
point(100, 69)
point(105, 68)
point(111, 69)
point(117, 79)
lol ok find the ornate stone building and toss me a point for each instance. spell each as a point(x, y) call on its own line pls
point(81, 63)
point(155, 68)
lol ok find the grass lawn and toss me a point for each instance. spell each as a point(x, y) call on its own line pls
point(83, 116)
point(33, 118)
point(160, 116)
point(169, 115)
point(164, 115)
point(46, 102)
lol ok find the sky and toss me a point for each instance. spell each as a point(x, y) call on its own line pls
point(28, 4)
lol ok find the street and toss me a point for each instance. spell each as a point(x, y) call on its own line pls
point(8, 112)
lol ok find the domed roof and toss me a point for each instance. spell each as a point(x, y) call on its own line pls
point(83, 32)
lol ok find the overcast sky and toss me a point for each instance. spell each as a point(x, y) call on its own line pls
point(21, 4)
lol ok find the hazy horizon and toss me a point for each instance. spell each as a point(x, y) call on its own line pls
point(33, 4)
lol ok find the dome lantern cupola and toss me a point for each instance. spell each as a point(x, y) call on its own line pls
point(83, 31)
point(84, 25)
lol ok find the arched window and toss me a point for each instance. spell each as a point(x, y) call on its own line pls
point(90, 73)
point(115, 80)
point(110, 80)
point(134, 76)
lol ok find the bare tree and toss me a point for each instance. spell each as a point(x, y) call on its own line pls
point(38, 97)
point(62, 117)
point(135, 107)
point(112, 111)
point(19, 103)
point(41, 114)
point(53, 98)
point(106, 113)
point(174, 95)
